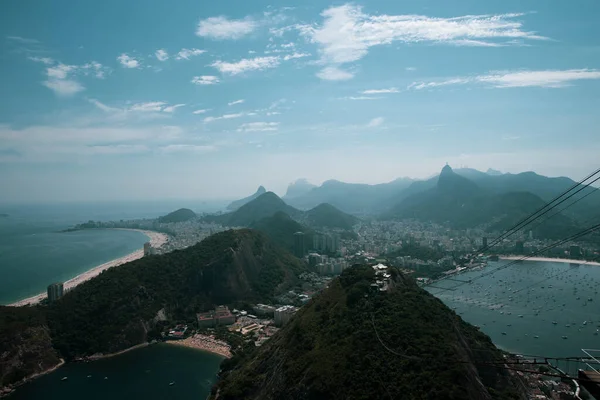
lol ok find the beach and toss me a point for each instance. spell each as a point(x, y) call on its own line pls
point(206, 343)
point(549, 259)
point(156, 240)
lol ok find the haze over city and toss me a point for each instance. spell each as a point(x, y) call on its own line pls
point(212, 99)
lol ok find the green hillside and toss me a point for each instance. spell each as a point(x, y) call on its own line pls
point(181, 215)
point(280, 228)
point(351, 342)
point(326, 215)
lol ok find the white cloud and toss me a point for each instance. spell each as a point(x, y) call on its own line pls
point(223, 28)
point(185, 148)
point(43, 60)
point(375, 122)
point(360, 98)
point(246, 64)
point(200, 111)
point(380, 91)
point(236, 102)
point(63, 87)
point(410, 69)
point(153, 106)
point(161, 55)
point(60, 71)
point(172, 108)
point(23, 40)
point(103, 106)
point(295, 55)
point(512, 79)
point(334, 74)
point(205, 80)
point(116, 149)
point(128, 61)
point(258, 127)
point(98, 69)
point(226, 116)
point(185, 54)
point(347, 33)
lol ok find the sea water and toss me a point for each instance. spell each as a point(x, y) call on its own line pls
point(534, 308)
point(145, 373)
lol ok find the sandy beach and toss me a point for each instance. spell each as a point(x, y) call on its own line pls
point(548, 259)
point(206, 343)
point(156, 240)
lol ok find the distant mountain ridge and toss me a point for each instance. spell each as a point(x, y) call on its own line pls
point(234, 205)
point(298, 188)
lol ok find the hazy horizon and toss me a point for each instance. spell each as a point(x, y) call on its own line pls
point(114, 102)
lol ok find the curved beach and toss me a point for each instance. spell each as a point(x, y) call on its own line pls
point(156, 240)
point(549, 259)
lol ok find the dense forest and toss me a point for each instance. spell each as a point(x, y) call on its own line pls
point(351, 342)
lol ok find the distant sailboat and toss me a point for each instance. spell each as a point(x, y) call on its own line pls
point(172, 383)
point(64, 378)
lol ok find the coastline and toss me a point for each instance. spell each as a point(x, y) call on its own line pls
point(156, 240)
point(96, 357)
point(12, 387)
point(204, 343)
point(548, 259)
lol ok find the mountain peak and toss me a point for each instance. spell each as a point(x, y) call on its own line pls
point(492, 171)
point(261, 189)
point(446, 170)
point(298, 188)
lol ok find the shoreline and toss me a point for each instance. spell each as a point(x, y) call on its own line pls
point(203, 343)
point(156, 240)
point(96, 357)
point(13, 387)
point(549, 259)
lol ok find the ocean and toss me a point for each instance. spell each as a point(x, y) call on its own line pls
point(34, 253)
point(536, 308)
point(144, 373)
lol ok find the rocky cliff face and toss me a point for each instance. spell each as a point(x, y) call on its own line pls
point(25, 345)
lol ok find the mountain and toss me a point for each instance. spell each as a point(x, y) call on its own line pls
point(492, 171)
point(353, 198)
point(263, 206)
point(238, 203)
point(181, 215)
point(327, 216)
point(298, 188)
point(352, 342)
point(463, 203)
point(280, 228)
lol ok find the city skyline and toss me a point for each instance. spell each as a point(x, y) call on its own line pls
point(114, 102)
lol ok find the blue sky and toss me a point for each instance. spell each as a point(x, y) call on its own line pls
point(119, 100)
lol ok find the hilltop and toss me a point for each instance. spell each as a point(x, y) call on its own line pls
point(298, 188)
point(234, 205)
point(181, 215)
point(326, 215)
point(280, 228)
point(351, 342)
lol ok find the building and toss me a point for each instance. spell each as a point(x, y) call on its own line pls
point(219, 316)
point(484, 242)
point(299, 245)
point(520, 247)
point(283, 315)
point(148, 249)
point(55, 291)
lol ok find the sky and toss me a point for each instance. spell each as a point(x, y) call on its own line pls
point(129, 100)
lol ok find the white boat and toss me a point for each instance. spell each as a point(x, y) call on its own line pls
point(564, 337)
point(64, 378)
point(171, 384)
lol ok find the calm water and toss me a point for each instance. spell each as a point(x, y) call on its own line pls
point(525, 300)
point(140, 374)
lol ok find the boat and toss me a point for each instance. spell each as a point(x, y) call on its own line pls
point(520, 316)
point(172, 383)
point(564, 337)
point(89, 376)
point(536, 337)
point(585, 322)
point(554, 322)
point(106, 377)
point(504, 333)
point(64, 378)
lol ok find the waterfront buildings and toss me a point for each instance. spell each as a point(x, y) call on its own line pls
point(219, 316)
point(55, 291)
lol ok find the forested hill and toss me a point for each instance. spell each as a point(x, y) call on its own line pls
point(181, 215)
point(333, 348)
point(115, 310)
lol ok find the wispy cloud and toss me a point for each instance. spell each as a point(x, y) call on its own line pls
point(512, 79)
point(347, 33)
point(172, 108)
point(128, 61)
point(60, 77)
point(375, 122)
point(185, 54)
point(225, 116)
point(43, 60)
point(258, 127)
point(246, 64)
point(334, 74)
point(205, 80)
point(360, 98)
point(64, 87)
point(236, 102)
point(292, 56)
point(188, 148)
point(204, 111)
point(161, 55)
point(223, 28)
point(152, 106)
point(380, 91)
point(23, 40)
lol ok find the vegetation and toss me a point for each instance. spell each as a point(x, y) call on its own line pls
point(280, 228)
point(326, 215)
point(25, 344)
point(353, 343)
point(181, 215)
